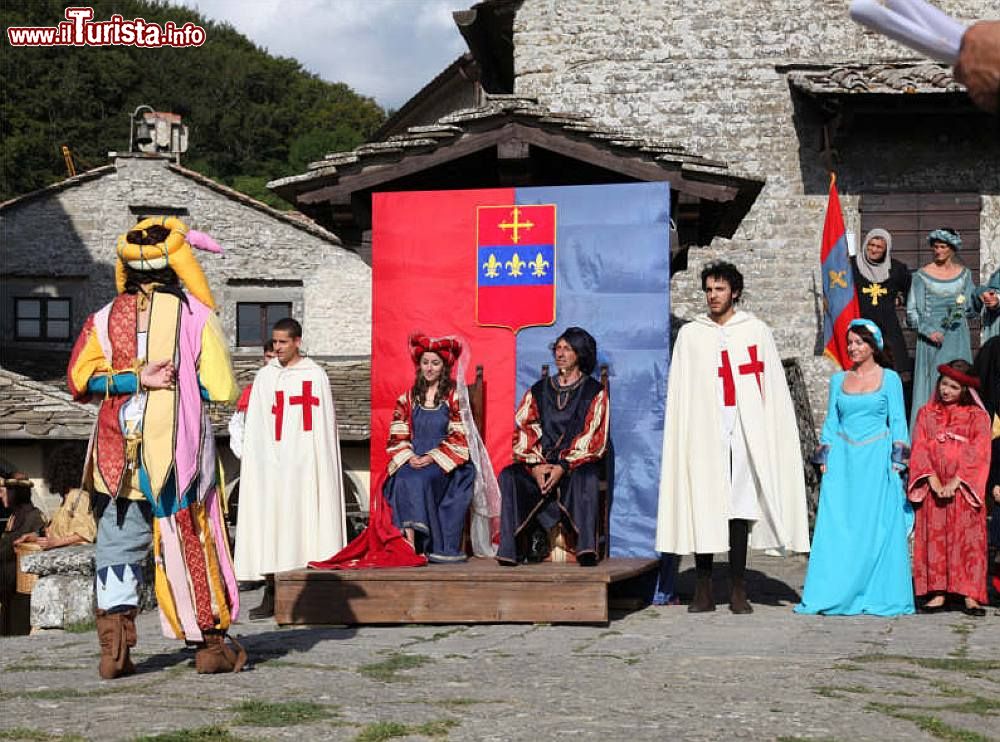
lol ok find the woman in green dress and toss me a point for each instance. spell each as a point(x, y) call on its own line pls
point(938, 308)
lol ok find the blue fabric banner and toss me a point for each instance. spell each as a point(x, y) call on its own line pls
point(613, 279)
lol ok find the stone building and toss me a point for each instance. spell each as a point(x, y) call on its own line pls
point(58, 257)
point(35, 418)
point(58, 267)
point(782, 92)
point(786, 90)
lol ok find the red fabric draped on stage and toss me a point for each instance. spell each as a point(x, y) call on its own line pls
point(380, 545)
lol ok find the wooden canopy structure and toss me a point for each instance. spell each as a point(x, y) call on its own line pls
point(513, 141)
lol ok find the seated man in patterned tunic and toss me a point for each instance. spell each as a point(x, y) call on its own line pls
point(561, 436)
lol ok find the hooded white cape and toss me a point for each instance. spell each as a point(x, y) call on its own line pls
point(291, 490)
point(694, 485)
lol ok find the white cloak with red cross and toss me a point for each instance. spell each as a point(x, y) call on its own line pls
point(714, 369)
point(291, 506)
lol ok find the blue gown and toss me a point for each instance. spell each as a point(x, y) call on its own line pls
point(938, 306)
point(428, 500)
point(860, 560)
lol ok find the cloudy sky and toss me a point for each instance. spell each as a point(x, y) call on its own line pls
point(386, 49)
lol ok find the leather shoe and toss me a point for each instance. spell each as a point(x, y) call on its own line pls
point(976, 610)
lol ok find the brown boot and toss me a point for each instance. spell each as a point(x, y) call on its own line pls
point(116, 632)
point(214, 656)
point(266, 607)
point(739, 537)
point(704, 600)
point(704, 597)
point(738, 602)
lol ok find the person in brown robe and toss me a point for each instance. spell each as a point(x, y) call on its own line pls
point(15, 494)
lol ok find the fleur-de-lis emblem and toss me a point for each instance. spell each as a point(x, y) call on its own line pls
point(538, 266)
point(515, 265)
point(492, 267)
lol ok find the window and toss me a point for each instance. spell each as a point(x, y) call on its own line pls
point(41, 318)
point(254, 321)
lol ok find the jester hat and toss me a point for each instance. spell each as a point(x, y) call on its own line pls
point(174, 252)
point(449, 348)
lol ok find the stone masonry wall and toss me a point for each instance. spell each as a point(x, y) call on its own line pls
point(702, 73)
point(64, 244)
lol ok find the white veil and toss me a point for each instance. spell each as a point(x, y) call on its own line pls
point(486, 491)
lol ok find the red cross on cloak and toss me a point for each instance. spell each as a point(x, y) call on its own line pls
point(278, 410)
point(308, 401)
point(755, 367)
point(728, 384)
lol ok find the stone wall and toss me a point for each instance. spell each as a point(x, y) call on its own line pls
point(62, 243)
point(705, 74)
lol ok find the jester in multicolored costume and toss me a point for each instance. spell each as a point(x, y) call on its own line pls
point(154, 356)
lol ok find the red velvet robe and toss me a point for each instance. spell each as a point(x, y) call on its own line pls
point(949, 545)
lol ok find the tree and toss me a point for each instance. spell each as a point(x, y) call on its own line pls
point(251, 117)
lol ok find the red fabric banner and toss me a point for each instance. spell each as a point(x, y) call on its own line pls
point(424, 263)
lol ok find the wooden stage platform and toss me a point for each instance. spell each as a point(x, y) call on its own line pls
point(478, 591)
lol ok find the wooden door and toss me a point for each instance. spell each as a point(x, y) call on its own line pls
point(909, 217)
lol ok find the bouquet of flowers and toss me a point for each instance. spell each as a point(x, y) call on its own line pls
point(956, 313)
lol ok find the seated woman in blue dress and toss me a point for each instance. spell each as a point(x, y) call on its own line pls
point(431, 481)
point(860, 561)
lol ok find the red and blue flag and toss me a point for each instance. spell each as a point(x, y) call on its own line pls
point(840, 302)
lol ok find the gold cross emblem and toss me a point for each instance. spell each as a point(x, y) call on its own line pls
point(515, 225)
point(837, 279)
point(875, 291)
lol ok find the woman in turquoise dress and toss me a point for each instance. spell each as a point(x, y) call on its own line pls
point(860, 560)
point(942, 298)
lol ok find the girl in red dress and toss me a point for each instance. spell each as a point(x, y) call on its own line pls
point(948, 470)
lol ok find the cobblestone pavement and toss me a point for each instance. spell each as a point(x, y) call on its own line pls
point(653, 674)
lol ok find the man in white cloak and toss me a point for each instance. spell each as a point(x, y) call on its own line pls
point(291, 492)
point(731, 456)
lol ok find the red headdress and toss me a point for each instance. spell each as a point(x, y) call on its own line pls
point(449, 348)
point(955, 375)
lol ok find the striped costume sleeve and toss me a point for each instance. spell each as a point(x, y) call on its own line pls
point(400, 444)
point(528, 432)
point(86, 361)
point(592, 442)
point(453, 450)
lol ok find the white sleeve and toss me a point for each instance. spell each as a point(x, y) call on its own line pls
point(236, 425)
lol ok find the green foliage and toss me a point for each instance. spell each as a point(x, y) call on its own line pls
point(387, 669)
point(930, 724)
point(380, 731)
point(264, 714)
point(22, 733)
point(214, 733)
point(81, 627)
point(251, 117)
